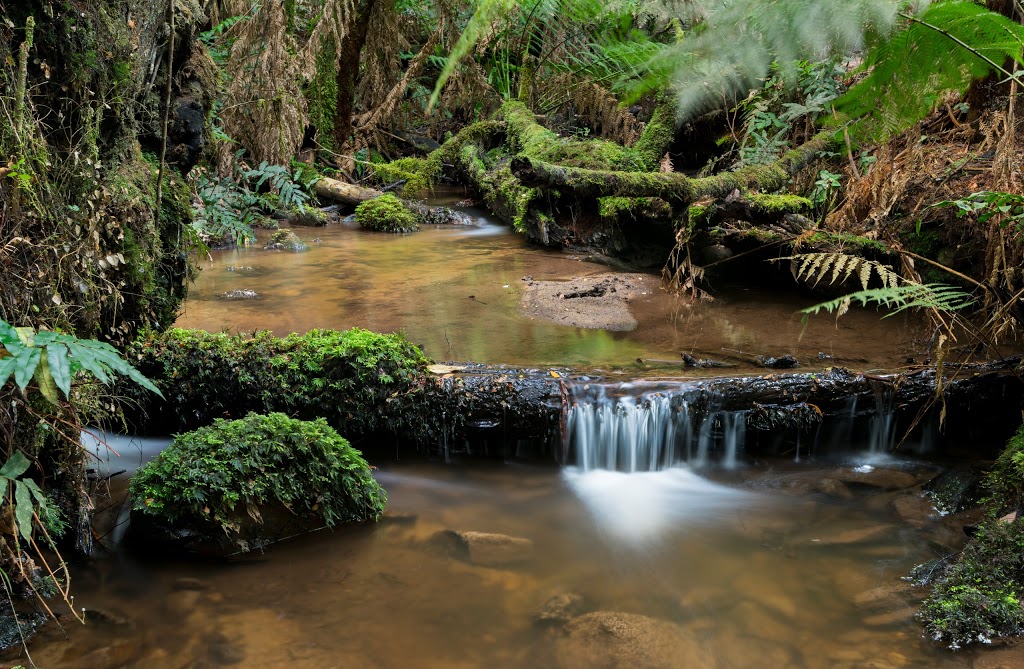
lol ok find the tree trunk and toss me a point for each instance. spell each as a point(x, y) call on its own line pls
point(349, 52)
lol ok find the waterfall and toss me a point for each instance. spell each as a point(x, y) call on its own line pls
point(882, 426)
point(650, 433)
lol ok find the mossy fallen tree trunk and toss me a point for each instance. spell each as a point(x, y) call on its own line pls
point(369, 386)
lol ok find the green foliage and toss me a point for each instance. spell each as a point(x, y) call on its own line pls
point(815, 267)
point(944, 49)
point(897, 299)
point(231, 469)
point(977, 599)
point(360, 381)
point(31, 505)
point(386, 214)
point(65, 355)
point(989, 204)
point(230, 208)
point(1006, 479)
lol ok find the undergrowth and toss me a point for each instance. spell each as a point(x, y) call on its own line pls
point(386, 213)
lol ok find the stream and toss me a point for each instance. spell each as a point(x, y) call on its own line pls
point(741, 567)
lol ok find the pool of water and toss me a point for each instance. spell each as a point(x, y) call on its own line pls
point(456, 292)
point(750, 579)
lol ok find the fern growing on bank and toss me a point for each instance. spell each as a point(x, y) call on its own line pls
point(940, 51)
point(897, 298)
point(815, 267)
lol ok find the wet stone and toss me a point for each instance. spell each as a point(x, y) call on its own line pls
point(187, 583)
point(613, 640)
point(560, 609)
point(485, 549)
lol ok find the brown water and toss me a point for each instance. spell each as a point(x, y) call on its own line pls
point(456, 293)
point(754, 580)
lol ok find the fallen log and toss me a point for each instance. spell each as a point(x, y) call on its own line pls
point(346, 193)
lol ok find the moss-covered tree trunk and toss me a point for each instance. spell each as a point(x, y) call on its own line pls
point(349, 52)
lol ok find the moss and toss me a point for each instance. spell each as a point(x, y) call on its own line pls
point(386, 214)
point(360, 381)
point(778, 204)
point(699, 215)
point(977, 598)
point(224, 472)
point(658, 135)
point(1006, 479)
point(537, 142)
point(852, 242)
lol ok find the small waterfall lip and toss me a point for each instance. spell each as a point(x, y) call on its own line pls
point(653, 430)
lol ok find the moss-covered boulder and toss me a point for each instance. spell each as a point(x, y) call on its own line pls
point(386, 213)
point(360, 381)
point(242, 484)
point(285, 240)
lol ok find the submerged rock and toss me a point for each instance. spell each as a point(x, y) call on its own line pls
point(483, 548)
point(560, 609)
point(240, 294)
point(614, 640)
point(957, 489)
point(285, 240)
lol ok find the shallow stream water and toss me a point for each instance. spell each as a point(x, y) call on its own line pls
point(753, 579)
point(456, 292)
point(749, 577)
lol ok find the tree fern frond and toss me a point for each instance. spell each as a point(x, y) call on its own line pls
point(914, 69)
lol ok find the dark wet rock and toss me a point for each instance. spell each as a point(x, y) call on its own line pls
point(783, 362)
point(691, 361)
point(105, 617)
point(560, 609)
point(444, 216)
point(957, 489)
point(797, 223)
point(12, 632)
point(240, 294)
point(285, 240)
point(899, 616)
point(613, 640)
point(716, 253)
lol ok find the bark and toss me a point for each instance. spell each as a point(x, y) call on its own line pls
point(349, 52)
point(346, 193)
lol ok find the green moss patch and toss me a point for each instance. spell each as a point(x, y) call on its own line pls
point(386, 214)
point(1006, 480)
point(360, 381)
point(779, 204)
point(225, 474)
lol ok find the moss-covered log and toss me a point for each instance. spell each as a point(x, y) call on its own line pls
point(346, 193)
point(672, 186)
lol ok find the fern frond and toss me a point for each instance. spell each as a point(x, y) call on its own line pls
point(814, 267)
point(896, 299)
point(911, 72)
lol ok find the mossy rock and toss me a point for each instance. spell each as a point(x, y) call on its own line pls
point(360, 381)
point(285, 240)
point(1006, 479)
point(242, 484)
point(386, 214)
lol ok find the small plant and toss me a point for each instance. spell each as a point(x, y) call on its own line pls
point(977, 598)
point(386, 214)
point(1006, 478)
point(231, 469)
point(988, 204)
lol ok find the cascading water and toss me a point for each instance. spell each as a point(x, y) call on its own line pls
point(653, 432)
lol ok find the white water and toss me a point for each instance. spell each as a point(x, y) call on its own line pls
point(653, 433)
point(639, 507)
